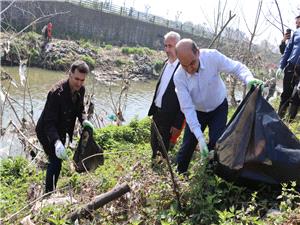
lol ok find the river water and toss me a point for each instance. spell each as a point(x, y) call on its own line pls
point(40, 82)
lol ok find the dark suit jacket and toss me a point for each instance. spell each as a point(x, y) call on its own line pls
point(170, 103)
point(59, 115)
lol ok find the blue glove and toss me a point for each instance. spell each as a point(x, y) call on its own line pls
point(256, 82)
point(87, 123)
point(60, 150)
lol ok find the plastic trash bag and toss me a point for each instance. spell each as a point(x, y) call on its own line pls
point(84, 151)
point(257, 147)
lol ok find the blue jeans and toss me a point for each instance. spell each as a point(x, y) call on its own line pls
point(216, 122)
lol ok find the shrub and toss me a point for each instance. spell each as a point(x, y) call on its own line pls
point(158, 66)
point(31, 36)
point(89, 60)
point(136, 132)
point(108, 47)
point(119, 62)
point(85, 44)
point(148, 51)
point(128, 51)
point(11, 169)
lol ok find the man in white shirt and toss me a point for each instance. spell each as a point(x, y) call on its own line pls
point(165, 107)
point(202, 95)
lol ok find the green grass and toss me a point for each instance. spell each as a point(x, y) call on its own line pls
point(206, 198)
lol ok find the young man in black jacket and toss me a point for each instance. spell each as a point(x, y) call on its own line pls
point(65, 103)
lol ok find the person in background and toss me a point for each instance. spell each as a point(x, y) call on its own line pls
point(287, 65)
point(202, 96)
point(65, 103)
point(165, 110)
point(287, 36)
point(49, 31)
point(297, 78)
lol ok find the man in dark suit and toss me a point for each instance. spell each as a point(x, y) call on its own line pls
point(165, 107)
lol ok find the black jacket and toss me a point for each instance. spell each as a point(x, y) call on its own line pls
point(59, 115)
point(170, 103)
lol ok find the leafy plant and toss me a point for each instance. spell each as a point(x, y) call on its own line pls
point(108, 47)
point(119, 62)
point(158, 66)
point(89, 60)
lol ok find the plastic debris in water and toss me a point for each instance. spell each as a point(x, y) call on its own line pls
point(112, 117)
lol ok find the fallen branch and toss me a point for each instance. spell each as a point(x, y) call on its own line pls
point(25, 138)
point(99, 201)
point(165, 153)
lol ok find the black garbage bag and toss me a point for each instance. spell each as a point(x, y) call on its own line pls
point(86, 148)
point(257, 147)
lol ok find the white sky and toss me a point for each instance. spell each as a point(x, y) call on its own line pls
point(203, 11)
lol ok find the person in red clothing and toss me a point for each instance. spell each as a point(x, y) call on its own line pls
point(49, 31)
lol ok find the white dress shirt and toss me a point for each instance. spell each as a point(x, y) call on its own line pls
point(205, 90)
point(164, 81)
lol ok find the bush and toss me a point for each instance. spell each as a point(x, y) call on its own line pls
point(31, 37)
point(119, 62)
point(210, 193)
point(148, 51)
point(85, 44)
point(11, 169)
point(108, 47)
point(129, 51)
point(34, 55)
point(158, 66)
point(89, 60)
point(136, 132)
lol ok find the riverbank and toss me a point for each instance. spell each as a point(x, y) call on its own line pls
point(205, 198)
point(107, 62)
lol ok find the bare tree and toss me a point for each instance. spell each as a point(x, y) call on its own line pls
point(222, 29)
point(253, 32)
point(23, 115)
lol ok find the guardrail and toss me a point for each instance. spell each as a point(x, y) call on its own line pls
point(132, 13)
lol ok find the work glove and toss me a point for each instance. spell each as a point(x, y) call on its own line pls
point(87, 123)
point(279, 74)
point(203, 148)
point(60, 150)
point(255, 82)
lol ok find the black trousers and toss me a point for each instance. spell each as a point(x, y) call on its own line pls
point(287, 100)
point(53, 171)
point(164, 122)
point(54, 164)
point(215, 121)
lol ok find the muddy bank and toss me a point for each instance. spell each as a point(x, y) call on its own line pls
point(108, 63)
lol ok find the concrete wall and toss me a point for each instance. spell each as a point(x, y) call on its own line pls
point(86, 23)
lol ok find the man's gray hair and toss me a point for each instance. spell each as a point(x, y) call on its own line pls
point(172, 34)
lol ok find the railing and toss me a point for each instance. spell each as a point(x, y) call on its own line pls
point(132, 13)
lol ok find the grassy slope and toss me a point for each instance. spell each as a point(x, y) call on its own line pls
point(206, 198)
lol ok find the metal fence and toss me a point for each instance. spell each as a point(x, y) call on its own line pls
point(132, 13)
